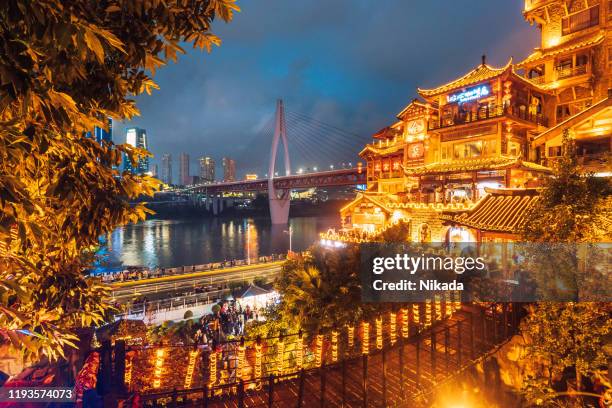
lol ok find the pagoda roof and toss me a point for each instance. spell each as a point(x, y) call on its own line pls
point(415, 104)
point(386, 133)
point(378, 199)
point(501, 210)
point(382, 150)
point(575, 45)
point(489, 163)
point(481, 73)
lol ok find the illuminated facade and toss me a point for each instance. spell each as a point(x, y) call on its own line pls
point(478, 145)
point(136, 137)
point(229, 169)
point(574, 62)
point(207, 169)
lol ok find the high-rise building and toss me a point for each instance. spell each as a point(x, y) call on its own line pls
point(207, 169)
point(138, 138)
point(166, 168)
point(154, 170)
point(229, 169)
point(184, 178)
point(103, 134)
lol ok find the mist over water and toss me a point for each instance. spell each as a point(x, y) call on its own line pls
point(169, 243)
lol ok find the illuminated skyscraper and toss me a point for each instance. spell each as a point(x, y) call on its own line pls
point(207, 169)
point(184, 178)
point(229, 169)
point(104, 135)
point(138, 138)
point(166, 168)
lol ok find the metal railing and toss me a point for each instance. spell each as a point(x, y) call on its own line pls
point(144, 273)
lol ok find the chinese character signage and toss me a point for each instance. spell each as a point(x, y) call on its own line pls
point(469, 94)
point(415, 150)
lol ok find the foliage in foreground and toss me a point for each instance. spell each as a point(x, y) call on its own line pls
point(321, 292)
point(574, 208)
point(64, 68)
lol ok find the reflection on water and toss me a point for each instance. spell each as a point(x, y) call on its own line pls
point(168, 243)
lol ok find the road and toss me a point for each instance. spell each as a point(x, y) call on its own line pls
point(180, 285)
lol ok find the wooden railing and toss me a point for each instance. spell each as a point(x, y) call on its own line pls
point(491, 113)
point(568, 72)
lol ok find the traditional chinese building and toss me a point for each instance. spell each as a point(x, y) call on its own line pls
point(573, 62)
point(483, 127)
point(473, 147)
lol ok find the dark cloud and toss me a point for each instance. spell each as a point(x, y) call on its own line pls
point(352, 64)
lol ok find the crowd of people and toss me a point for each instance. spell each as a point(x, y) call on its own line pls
point(226, 321)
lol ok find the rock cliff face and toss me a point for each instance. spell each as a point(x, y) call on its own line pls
point(512, 363)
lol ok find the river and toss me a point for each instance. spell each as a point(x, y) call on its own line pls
point(168, 243)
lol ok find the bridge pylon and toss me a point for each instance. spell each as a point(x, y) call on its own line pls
point(279, 199)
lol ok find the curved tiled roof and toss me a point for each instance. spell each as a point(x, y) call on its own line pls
point(482, 72)
point(381, 150)
point(563, 48)
point(501, 210)
point(489, 163)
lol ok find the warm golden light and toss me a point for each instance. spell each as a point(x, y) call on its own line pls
point(190, 368)
point(457, 302)
point(319, 350)
point(159, 366)
point(334, 346)
point(448, 308)
point(258, 357)
point(365, 341)
point(405, 323)
point(212, 364)
point(128, 372)
point(299, 357)
point(350, 334)
point(280, 360)
point(416, 313)
point(240, 361)
point(379, 333)
point(393, 327)
point(553, 41)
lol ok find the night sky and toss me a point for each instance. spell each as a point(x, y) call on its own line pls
point(353, 64)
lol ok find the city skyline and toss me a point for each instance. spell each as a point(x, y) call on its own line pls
point(324, 77)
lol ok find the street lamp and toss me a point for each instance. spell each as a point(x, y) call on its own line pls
point(331, 166)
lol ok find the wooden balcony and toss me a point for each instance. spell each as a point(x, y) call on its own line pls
point(490, 113)
point(592, 161)
point(569, 72)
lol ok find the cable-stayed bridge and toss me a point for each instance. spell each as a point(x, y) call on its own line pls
point(314, 142)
